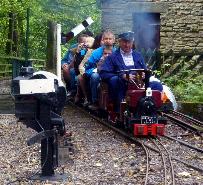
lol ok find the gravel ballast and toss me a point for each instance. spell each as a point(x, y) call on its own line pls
point(100, 156)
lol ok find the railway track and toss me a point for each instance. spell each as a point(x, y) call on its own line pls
point(184, 116)
point(170, 162)
point(147, 163)
point(164, 154)
point(146, 147)
point(185, 121)
point(182, 142)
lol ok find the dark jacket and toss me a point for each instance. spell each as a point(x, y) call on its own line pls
point(114, 63)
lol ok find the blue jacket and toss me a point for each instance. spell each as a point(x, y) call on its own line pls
point(114, 63)
point(92, 61)
point(68, 57)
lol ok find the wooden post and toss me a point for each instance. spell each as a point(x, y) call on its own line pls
point(51, 47)
point(58, 51)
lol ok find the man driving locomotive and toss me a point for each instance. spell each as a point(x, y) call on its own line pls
point(124, 58)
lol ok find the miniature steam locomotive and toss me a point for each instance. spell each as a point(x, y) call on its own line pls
point(139, 111)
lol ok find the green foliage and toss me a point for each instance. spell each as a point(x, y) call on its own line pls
point(187, 86)
point(68, 13)
point(157, 73)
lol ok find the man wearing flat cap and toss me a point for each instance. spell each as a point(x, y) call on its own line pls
point(124, 58)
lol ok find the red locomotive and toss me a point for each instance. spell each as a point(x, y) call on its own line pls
point(139, 110)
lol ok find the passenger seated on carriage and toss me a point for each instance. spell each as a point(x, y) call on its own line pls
point(82, 80)
point(108, 40)
point(83, 85)
point(68, 66)
point(124, 58)
point(107, 51)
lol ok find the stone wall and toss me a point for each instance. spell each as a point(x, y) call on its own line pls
point(181, 20)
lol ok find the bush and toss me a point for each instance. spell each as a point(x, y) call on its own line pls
point(187, 86)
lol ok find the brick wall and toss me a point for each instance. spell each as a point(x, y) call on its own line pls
point(181, 20)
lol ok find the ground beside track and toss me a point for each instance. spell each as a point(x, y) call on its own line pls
point(100, 155)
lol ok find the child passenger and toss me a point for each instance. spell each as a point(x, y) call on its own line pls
point(106, 52)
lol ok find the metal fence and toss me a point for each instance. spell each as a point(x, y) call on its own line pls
point(10, 68)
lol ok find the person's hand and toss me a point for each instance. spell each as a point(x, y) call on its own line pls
point(80, 46)
point(143, 75)
point(65, 66)
point(130, 77)
point(102, 58)
point(125, 77)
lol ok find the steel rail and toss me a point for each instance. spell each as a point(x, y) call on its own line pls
point(170, 160)
point(195, 121)
point(177, 159)
point(163, 159)
point(147, 159)
point(184, 143)
point(182, 123)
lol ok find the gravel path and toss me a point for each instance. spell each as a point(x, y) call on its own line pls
point(100, 157)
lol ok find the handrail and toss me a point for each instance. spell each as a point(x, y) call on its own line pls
point(23, 59)
point(9, 65)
